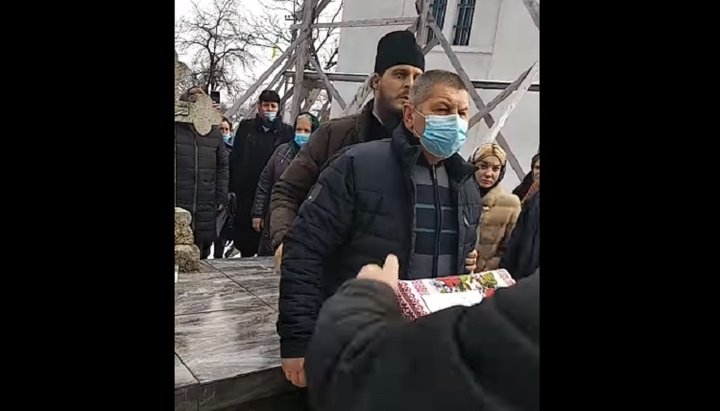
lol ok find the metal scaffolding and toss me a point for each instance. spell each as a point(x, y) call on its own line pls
point(305, 85)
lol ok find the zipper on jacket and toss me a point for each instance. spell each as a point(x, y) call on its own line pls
point(462, 228)
point(413, 204)
point(462, 233)
point(197, 160)
point(438, 213)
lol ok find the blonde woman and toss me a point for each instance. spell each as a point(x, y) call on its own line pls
point(500, 208)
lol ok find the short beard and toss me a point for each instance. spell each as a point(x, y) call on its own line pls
point(386, 111)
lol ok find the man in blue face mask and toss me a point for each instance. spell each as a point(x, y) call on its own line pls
point(255, 141)
point(411, 195)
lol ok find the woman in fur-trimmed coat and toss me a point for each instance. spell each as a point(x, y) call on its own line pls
point(500, 208)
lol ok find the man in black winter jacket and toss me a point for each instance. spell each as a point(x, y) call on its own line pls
point(411, 195)
point(366, 357)
point(255, 141)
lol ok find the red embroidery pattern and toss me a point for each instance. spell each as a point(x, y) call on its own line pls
point(420, 287)
point(410, 307)
point(505, 277)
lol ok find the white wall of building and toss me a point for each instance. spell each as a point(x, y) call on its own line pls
point(504, 42)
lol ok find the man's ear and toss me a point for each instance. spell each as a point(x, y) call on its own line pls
point(407, 114)
point(375, 82)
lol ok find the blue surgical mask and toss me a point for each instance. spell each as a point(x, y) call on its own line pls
point(228, 139)
point(301, 138)
point(270, 116)
point(444, 135)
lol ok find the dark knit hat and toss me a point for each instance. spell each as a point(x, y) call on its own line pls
point(269, 96)
point(398, 47)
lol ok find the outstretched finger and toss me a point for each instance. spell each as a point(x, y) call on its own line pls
point(392, 265)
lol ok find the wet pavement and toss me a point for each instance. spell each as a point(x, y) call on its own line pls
point(227, 352)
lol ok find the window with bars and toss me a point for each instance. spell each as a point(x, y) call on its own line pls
point(466, 10)
point(437, 7)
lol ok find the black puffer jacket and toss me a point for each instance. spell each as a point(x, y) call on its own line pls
point(361, 208)
point(522, 254)
point(201, 177)
point(366, 357)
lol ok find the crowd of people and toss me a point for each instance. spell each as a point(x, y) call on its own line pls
point(335, 199)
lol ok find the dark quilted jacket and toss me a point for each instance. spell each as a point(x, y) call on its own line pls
point(278, 163)
point(201, 177)
point(361, 208)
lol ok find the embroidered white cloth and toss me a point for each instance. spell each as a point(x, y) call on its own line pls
point(422, 297)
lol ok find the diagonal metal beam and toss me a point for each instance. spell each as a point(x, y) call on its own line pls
point(288, 64)
point(287, 95)
point(325, 110)
point(514, 163)
point(422, 23)
point(265, 75)
point(517, 96)
point(303, 53)
point(499, 98)
point(311, 99)
point(434, 42)
point(360, 96)
point(329, 86)
point(286, 67)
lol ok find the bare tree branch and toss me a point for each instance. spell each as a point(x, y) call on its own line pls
point(217, 38)
point(332, 60)
point(220, 39)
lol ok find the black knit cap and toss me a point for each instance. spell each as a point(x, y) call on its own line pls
point(396, 48)
point(269, 96)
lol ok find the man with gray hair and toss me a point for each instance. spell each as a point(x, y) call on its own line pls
point(411, 195)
